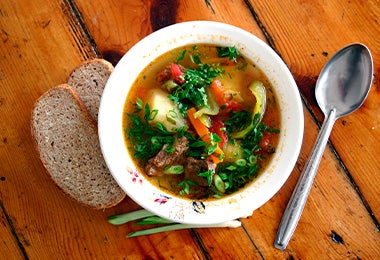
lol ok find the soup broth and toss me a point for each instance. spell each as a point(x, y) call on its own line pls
point(201, 121)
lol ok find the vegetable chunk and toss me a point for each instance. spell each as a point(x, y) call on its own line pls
point(164, 110)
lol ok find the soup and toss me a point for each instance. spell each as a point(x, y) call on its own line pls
point(201, 121)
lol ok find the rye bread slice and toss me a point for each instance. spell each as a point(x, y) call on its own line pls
point(67, 141)
point(89, 80)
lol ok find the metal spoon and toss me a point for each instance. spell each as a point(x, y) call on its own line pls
point(342, 87)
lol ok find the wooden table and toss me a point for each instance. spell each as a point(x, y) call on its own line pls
point(43, 41)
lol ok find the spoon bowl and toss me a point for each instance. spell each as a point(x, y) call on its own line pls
point(345, 80)
point(342, 87)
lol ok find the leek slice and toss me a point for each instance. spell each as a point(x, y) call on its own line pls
point(211, 109)
point(258, 90)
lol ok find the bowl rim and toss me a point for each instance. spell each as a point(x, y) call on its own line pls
point(165, 205)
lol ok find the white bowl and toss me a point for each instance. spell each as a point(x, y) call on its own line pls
point(240, 204)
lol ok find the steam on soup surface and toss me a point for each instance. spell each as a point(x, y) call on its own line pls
point(201, 121)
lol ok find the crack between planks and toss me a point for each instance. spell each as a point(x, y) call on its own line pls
point(252, 241)
point(364, 202)
point(76, 14)
point(13, 231)
point(199, 241)
point(343, 167)
point(355, 187)
point(263, 29)
point(271, 43)
point(209, 5)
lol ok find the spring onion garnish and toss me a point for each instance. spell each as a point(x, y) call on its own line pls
point(173, 169)
point(127, 217)
point(219, 184)
point(147, 218)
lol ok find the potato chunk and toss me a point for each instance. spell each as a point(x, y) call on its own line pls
point(167, 112)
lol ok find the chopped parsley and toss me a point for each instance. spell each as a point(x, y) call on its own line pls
point(231, 52)
point(192, 92)
point(147, 140)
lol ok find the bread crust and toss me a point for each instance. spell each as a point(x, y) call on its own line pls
point(89, 80)
point(97, 188)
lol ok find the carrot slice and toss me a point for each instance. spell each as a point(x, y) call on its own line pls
point(204, 133)
point(218, 91)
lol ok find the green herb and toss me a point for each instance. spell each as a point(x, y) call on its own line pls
point(200, 149)
point(148, 140)
point(192, 92)
point(237, 176)
point(213, 145)
point(208, 175)
point(243, 170)
point(147, 218)
point(185, 184)
point(231, 52)
point(181, 56)
point(173, 169)
point(127, 217)
point(238, 121)
point(219, 184)
point(179, 226)
point(138, 105)
point(152, 220)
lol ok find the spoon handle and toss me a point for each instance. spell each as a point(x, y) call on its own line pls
point(298, 199)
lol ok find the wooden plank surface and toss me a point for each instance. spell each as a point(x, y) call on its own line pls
point(41, 42)
point(322, 28)
point(10, 247)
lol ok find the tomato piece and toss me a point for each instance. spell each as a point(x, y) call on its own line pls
point(177, 74)
point(218, 127)
point(224, 98)
point(266, 143)
point(233, 106)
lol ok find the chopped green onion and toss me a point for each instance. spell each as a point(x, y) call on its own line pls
point(173, 169)
point(208, 175)
point(241, 162)
point(219, 184)
point(138, 105)
point(252, 159)
point(231, 167)
point(185, 184)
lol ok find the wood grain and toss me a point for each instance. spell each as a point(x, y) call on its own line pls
point(41, 42)
point(11, 247)
point(318, 30)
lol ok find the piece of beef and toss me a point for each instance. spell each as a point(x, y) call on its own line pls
point(164, 75)
point(194, 166)
point(162, 159)
point(167, 73)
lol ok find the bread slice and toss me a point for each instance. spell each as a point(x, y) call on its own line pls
point(89, 80)
point(67, 141)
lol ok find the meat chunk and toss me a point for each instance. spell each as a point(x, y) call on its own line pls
point(167, 73)
point(194, 166)
point(162, 159)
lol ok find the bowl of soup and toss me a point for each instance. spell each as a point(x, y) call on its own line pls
point(201, 122)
